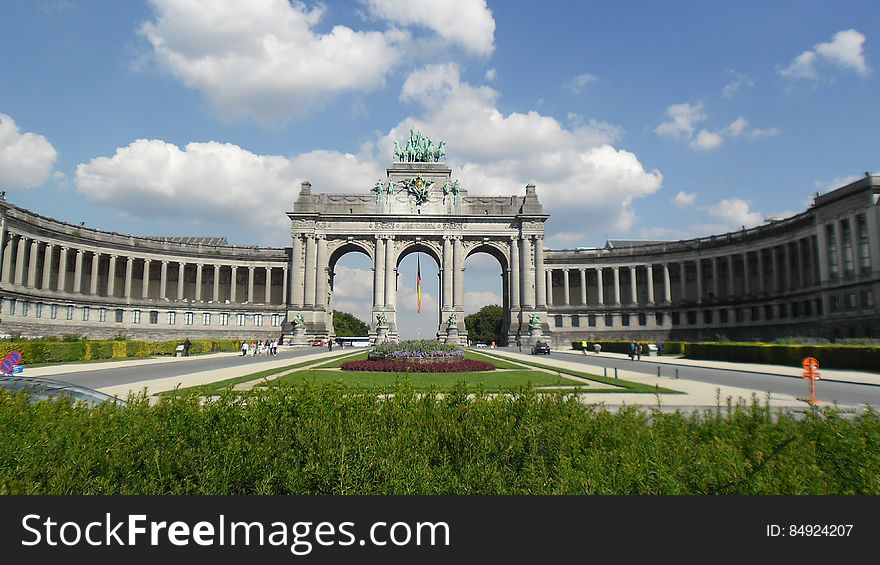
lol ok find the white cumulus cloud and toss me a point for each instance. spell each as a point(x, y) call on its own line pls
point(26, 159)
point(684, 199)
point(681, 119)
point(579, 83)
point(845, 50)
point(706, 140)
point(735, 213)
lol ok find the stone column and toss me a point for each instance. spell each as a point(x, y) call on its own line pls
point(699, 280)
point(146, 287)
point(129, 265)
point(379, 275)
point(527, 296)
point(199, 282)
point(799, 245)
point(616, 271)
point(269, 285)
point(873, 223)
point(93, 281)
point(716, 287)
point(458, 291)
point(649, 270)
point(761, 286)
point(391, 275)
point(7, 258)
point(77, 271)
point(822, 244)
point(730, 291)
point(19, 261)
point(633, 289)
point(111, 276)
point(746, 282)
point(163, 280)
point(181, 279)
point(284, 278)
point(308, 275)
point(667, 285)
point(296, 272)
point(2, 245)
point(514, 272)
point(320, 272)
point(682, 270)
point(548, 287)
point(540, 292)
point(565, 288)
point(600, 286)
point(250, 291)
point(774, 263)
point(32, 264)
point(216, 290)
point(233, 283)
point(47, 266)
point(786, 267)
point(583, 286)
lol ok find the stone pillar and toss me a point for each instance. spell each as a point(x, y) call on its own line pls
point(583, 273)
point(822, 244)
point(730, 290)
point(181, 279)
point(649, 270)
point(633, 289)
point(93, 281)
point(250, 291)
point(854, 243)
point(215, 295)
point(565, 288)
point(391, 273)
point(799, 245)
point(7, 258)
point(527, 296)
point(761, 286)
point(129, 265)
point(284, 277)
point(514, 272)
point(269, 284)
point(321, 267)
point(458, 278)
point(682, 270)
point(540, 292)
point(774, 262)
point(111, 276)
point(600, 286)
point(746, 281)
point(199, 283)
point(616, 271)
point(548, 286)
point(667, 285)
point(296, 272)
point(233, 283)
point(699, 280)
point(146, 287)
point(308, 275)
point(163, 280)
point(716, 287)
point(379, 275)
point(32, 264)
point(77, 271)
point(2, 245)
point(19, 261)
point(873, 222)
point(47, 266)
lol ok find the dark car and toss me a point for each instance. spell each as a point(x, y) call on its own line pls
point(41, 389)
point(540, 348)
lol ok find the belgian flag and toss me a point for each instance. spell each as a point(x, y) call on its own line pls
point(419, 285)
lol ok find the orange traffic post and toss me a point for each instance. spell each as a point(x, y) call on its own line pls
point(811, 373)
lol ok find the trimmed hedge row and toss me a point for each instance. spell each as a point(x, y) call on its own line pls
point(669, 347)
point(57, 351)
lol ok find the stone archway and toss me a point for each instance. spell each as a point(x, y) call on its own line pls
point(418, 206)
point(500, 253)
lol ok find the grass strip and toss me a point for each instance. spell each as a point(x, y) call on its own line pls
point(487, 381)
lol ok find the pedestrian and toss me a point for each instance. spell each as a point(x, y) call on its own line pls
point(632, 350)
point(244, 348)
point(519, 344)
point(659, 348)
point(597, 347)
point(584, 348)
point(329, 344)
point(186, 345)
point(638, 352)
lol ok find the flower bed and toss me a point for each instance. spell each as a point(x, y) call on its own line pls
point(422, 366)
point(418, 352)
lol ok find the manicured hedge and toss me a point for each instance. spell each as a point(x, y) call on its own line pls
point(669, 347)
point(60, 351)
point(856, 357)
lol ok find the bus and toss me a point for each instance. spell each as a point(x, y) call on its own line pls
point(363, 341)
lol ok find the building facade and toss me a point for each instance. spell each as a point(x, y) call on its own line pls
point(816, 273)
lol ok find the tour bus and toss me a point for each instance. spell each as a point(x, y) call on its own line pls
point(353, 341)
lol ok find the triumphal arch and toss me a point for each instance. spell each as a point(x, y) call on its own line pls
point(419, 207)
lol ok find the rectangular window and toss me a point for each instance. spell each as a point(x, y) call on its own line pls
point(834, 303)
point(739, 315)
point(819, 307)
point(25, 307)
point(276, 319)
point(12, 307)
point(643, 319)
point(85, 313)
point(240, 319)
point(119, 315)
point(38, 310)
point(755, 313)
point(795, 309)
point(768, 312)
point(658, 318)
point(850, 301)
point(846, 241)
point(783, 311)
point(575, 321)
point(188, 318)
point(102, 315)
point(624, 319)
point(864, 248)
point(70, 312)
point(224, 319)
point(831, 241)
point(258, 319)
point(609, 320)
point(707, 316)
point(154, 317)
point(53, 311)
point(722, 315)
point(692, 317)
point(676, 318)
point(135, 316)
point(807, 308)
point(172, 318)
point(206, 319)
point(591, 320)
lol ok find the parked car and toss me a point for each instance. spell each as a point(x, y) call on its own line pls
point(42, 389)
point(318, 342)
point(540, 348)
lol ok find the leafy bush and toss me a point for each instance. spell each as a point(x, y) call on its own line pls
point(620, 346)
point(417, 348)
point(68, 351)
point(401, 366)
point(829, 356)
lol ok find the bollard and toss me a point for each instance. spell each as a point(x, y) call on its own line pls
point(676, 373)
point(658, 372)
point(605, 371)
point(615, 373)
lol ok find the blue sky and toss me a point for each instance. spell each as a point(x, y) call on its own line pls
point(634, 119)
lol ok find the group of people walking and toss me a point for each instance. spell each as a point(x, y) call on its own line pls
point(266, 347)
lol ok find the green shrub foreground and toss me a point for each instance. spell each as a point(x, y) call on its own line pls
point(332, 440)
point(67, 351)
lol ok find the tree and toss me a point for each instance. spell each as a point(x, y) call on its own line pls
point(485, 325)
point(347, 325)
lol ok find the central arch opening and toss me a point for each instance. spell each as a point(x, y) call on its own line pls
point(487, 313)
point(351, 292)
point(413, 322)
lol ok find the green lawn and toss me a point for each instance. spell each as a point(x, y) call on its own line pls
point(489, 381)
